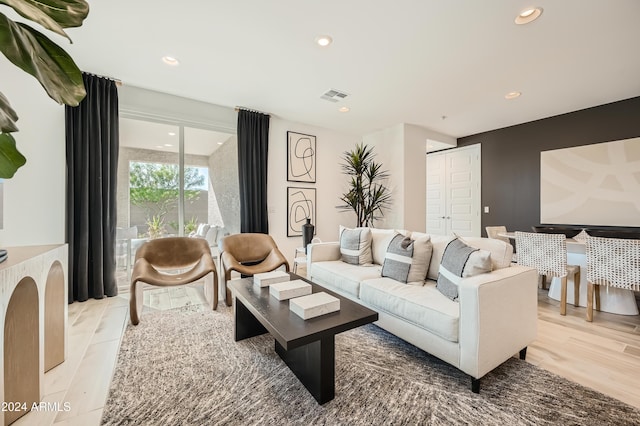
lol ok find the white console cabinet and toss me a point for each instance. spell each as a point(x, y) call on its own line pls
point(34, 307)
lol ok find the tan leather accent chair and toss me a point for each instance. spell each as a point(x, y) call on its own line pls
point(173, 253)
point(249, 254)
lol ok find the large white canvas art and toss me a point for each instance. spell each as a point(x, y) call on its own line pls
point(591, 184)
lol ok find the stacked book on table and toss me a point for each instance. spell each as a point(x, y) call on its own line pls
point(299, 293)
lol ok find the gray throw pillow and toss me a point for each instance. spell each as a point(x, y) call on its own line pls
point(355, 246)
point(407, 260)
point(460, 261)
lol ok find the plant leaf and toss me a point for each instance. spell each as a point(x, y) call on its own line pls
point(34, 53)
point(8, 116)
point(10, 158)
point(54, 15)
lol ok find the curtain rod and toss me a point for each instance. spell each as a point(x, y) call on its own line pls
point(117, 81)
point(238, 108)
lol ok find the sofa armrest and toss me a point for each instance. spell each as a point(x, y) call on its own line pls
point(498, 317)
point(321, 252)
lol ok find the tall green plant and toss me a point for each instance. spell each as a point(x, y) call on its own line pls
point(34, 53)
point(367, 197)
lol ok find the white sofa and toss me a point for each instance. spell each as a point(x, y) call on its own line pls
point(494, 318)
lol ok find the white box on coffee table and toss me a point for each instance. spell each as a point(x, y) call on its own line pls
point(295, 288)
point(314, 305)
point(265, 279)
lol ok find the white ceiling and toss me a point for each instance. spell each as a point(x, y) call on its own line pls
point(403, 61)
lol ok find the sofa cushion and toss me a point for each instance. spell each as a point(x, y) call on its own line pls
point(439, 243)
point(355, 245)
point(407, 260)
point(380, 239)
point(343, 276)
point(423, 306)
point(459, 261)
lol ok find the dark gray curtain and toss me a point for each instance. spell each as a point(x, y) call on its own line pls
point(253, 146)
point(92, 162)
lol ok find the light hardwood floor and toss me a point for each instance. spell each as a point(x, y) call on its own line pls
point(603, 355)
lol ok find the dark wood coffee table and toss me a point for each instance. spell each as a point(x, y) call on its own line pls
point(306, 346)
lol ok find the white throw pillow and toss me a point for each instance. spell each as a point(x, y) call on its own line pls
point(380, 239)
point(355, 246)
point(460, 261)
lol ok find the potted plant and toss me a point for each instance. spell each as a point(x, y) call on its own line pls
point(367, 196)
point(37, 55)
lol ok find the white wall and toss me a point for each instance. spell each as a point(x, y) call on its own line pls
point(415, 174)
point(402, 149)
point(388, 145)
point(330, 182)
point(34, 199)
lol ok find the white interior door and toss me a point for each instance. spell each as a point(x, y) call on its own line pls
point(453, 192)
point(436, 194)
point(463, 191)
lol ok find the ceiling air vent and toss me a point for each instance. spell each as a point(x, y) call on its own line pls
point(333, 95)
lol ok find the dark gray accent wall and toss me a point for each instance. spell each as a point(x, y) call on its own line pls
point(511, 156)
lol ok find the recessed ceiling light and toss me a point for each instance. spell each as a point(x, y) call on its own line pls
point(172, 133)
point(159, 146)
point(167, 144)
point(512, 95)
point(324, 40)
point(528, 15)
point(219, 143)
point(170, 60)
point(344, 109)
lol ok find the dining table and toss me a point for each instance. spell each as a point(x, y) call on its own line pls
point(612, 300)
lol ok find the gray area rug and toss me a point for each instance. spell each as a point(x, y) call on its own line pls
point(182, 367)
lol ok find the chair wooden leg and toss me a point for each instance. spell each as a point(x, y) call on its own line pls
point(227, 292)
point(228, 299)
point(597, 291)
point(211, 290)
point(563, 296)
point(136, 301)
point(542, 281)
point(590, 301)
point(576, 289)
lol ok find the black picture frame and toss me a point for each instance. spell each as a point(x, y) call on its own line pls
point(301, 203)
point(301, 157)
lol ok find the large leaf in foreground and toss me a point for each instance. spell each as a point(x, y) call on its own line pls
point(49, 63)
point(8, 116)
point(10, 159)
point(54, 15)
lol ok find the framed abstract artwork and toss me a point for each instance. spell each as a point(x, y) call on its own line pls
point(301, 157)
point(301, 204)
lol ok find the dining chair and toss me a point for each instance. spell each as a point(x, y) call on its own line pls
point(548, 254)
point(613, 262)
point(497, 233)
